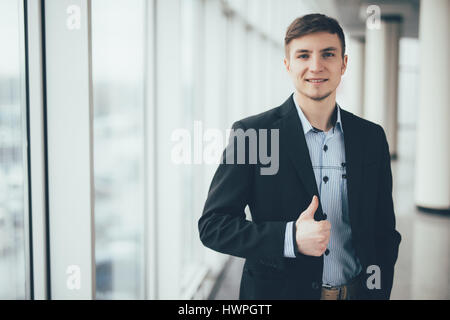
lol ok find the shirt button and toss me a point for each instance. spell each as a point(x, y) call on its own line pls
point(343, 164)
point(325, 179)
point(325, 148)
point(327, 252)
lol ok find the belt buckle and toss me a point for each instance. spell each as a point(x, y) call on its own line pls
point(327, 286)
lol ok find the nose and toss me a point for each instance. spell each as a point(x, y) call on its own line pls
point(315, 64)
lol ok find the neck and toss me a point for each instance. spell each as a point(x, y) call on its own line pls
point(318, 113)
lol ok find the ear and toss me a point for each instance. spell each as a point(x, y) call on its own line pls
point(344, 65)
point(287, 64)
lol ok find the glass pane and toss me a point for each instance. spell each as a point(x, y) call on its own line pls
point(13, 202)
point(118, 73)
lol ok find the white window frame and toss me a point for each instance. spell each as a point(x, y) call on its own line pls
point(150, 135)
point(70, 149)
point(38, 179)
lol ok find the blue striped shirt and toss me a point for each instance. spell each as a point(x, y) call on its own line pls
point(327, 153)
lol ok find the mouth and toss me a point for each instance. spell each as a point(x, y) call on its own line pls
point(317, 80)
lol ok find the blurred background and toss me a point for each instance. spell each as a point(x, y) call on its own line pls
point(92, 203)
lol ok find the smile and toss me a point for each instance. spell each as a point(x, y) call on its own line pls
point(316, 80)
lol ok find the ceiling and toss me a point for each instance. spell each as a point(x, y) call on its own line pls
point(352, 15)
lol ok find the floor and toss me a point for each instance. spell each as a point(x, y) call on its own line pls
point(423, 266)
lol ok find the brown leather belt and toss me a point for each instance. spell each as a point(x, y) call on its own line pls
point(352, 290)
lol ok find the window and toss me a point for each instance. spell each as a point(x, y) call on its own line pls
point(118, 29)
point(13, 158)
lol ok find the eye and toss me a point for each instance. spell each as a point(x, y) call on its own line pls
point(328, 54)
point(303, 56)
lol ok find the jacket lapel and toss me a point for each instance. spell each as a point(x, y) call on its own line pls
point(353, 141)
point(294, 141)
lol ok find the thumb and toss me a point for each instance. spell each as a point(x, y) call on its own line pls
point(309, 212)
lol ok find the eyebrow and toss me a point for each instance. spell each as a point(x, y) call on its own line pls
point(323, 50)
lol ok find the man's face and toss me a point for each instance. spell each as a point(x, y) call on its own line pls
point(315, 64)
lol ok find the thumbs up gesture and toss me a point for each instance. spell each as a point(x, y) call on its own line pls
point(312, 236)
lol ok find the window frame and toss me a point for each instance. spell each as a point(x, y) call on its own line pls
point(70, 151)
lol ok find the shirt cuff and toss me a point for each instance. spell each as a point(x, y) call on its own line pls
point(289, 250)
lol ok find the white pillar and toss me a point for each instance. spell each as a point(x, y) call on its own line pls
point(391, 83)
point(351, 90)
point(381, 77)
point(432, 187)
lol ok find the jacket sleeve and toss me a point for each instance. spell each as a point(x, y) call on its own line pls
point(387, 237)
point(223, 226)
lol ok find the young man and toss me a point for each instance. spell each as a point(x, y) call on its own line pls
point(323, 226)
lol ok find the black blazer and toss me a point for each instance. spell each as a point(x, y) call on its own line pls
point(276, 199)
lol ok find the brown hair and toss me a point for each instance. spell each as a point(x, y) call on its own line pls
point(312, 23)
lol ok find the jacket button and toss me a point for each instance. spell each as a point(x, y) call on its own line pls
point(325, 179)
point(325, 148)
point(315, 285)
point(327, 252)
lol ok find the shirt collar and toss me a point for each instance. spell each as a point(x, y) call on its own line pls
point(307, 125)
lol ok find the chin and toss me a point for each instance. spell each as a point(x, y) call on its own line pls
point(319, 97)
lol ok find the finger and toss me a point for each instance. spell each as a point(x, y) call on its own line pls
point(309, 212)
point(325, 225)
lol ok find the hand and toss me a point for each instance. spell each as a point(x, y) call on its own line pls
point(312, 236)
